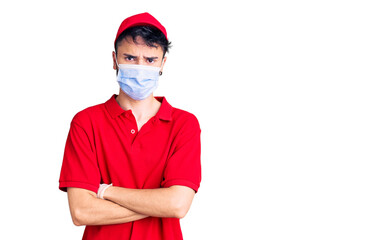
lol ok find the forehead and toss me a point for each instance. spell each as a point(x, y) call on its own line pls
point(127, 44)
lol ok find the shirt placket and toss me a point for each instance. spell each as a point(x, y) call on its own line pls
point(135, 134)
point(131, 126)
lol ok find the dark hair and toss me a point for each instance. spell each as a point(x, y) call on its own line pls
point(151, 35)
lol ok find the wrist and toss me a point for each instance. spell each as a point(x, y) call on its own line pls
point(108, 192)
point(102, 190)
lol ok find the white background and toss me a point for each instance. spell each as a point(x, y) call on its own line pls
point(293, 98)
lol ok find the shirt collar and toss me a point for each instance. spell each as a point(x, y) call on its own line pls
point(164, 112)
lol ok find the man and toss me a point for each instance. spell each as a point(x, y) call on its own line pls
point(131, 165)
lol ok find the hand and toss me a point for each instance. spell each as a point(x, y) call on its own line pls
point(102, 189)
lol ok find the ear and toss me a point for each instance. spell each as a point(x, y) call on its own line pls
point(161, 67)
point(114, 61)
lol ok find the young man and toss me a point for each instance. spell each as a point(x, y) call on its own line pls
point(132, 164)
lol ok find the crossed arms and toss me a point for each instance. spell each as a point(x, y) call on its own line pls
point(126, 205)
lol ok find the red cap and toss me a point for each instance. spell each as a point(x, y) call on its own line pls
point(139, 20)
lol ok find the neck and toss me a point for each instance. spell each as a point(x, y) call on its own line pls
point(140, 108)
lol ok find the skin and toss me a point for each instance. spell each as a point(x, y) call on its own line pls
point(123, 205)
point(137, 52)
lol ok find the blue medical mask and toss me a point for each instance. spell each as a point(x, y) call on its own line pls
point(138, 81)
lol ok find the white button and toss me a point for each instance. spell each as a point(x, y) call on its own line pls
point(132, 131)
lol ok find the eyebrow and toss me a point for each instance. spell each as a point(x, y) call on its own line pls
point(149, 58)
point(129, 55)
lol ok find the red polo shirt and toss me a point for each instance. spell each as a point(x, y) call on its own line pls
point(104, 146)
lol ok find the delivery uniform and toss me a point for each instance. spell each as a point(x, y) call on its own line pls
point(105, 146)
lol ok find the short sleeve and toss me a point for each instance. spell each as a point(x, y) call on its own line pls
point(183, 167)
point(79, 168)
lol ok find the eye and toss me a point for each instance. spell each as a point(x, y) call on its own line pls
point(129, 58)
point(150, 60)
